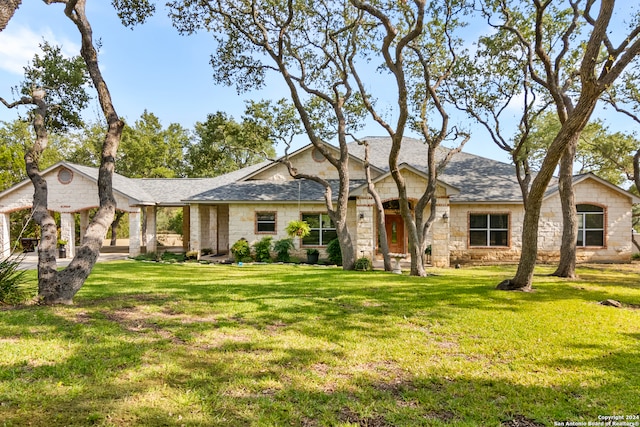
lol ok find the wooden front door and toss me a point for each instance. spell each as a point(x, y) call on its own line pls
point(395, 233)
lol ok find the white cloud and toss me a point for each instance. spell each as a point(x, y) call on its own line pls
point(18, 45)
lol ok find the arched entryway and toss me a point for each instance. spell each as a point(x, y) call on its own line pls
point(395, 226)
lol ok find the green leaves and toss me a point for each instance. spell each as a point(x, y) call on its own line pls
point(222, 145)
point(64, 80)
point(148, 150)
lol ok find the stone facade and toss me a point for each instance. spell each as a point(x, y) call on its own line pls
point(228, 213)
point(69, 193)
point(617, 212)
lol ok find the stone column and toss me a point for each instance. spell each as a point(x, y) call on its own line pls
point(5, 238)
point(195, 233)
point(365, 229)
point(440, 233)
point(213, 228)
point(84, 223)
point(134, 233)
point(151, 231)
point(186, 227)
point(204, 227)
point(68, 232)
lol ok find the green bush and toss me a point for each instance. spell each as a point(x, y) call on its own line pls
point(241, 250)
point(635, 257)
point(262, 249)
point(363, 264)
point(334, 252)
point(12, 281)
point(282, 248)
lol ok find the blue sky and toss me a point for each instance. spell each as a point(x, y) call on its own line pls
point(151, 67)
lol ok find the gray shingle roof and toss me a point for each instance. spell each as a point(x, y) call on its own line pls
point(479, 179)
point(167, 191)
point(270, 191)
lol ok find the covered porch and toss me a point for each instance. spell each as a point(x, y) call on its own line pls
point(73, 193)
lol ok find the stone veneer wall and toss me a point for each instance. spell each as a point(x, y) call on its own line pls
point(387, 189)
point(81, 193)
point(618, 246)
point(243, 216)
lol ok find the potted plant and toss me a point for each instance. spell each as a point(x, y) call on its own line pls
point(297, 228)
point(62, 248)
point(312, 256)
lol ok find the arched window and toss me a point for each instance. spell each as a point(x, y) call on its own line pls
point(590, 225)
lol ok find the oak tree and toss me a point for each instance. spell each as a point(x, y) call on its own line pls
point(570, 71)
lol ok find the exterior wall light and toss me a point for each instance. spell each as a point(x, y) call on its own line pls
point(445, 217)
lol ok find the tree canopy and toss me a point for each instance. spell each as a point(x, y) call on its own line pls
point(221, 145)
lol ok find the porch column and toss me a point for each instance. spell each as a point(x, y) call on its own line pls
point(68, 232)
point(213, 228)
point(5, 239)
point(186, 227)
point(365, 229)
point(204, 227)
point(84, 223)
point(441, 234)
point(151, 229)
point(195, 234)
point(134, 233)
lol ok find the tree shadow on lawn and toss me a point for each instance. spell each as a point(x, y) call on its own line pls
point(233, 371)
point(69, 370)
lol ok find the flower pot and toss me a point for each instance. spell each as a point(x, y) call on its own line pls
point(62, 252)
point(312, 258)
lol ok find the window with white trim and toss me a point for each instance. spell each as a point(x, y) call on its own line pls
point(590, 225)
point(322, 229)
point(489, 230)
point(266, 222)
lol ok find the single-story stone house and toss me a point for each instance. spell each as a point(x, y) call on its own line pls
point(479, 207)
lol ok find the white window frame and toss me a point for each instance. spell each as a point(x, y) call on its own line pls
point(582, 231)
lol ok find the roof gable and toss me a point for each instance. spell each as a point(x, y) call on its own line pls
point(123, 186)
point(578, 179)
point(451, 190)
point(299, 156)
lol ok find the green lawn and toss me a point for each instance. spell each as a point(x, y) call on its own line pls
point(269, 345)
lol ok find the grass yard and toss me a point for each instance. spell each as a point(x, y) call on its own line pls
point(272, 345)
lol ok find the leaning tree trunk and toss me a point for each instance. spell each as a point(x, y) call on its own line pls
point(114, 228)
point(567, 265)
point(569, 132)
point(7, 9)
point(69, 281)
point(382, 230)
point(47, 267)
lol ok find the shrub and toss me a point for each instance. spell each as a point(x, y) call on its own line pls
point(262, 249)
point(334, 252)
point(282, 248)
point(363, 264)
point(206, 251)
point(12, 281)
point(191, 255)
point(241, 250)
point(635, 257)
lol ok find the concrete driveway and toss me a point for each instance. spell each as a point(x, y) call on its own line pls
point(30, 261)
